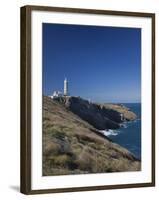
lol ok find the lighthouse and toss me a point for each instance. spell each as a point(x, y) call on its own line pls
point(65, 87)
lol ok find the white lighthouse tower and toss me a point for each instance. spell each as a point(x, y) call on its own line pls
point(65, 87)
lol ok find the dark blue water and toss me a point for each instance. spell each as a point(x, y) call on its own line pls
point(130, 135)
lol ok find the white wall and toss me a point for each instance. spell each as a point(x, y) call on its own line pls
point(9, 100)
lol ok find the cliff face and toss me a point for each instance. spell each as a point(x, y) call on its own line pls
point(100, 116)
point(73, 146)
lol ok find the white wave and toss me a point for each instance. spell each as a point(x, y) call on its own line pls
point(124, 125)
point(136, 120)
point(109, 132)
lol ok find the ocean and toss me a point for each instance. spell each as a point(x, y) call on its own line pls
point(129, 136)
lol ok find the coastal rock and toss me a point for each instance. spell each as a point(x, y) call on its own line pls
point(100, 116)
point(127, 113)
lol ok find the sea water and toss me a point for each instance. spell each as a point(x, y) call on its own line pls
point(129, 135)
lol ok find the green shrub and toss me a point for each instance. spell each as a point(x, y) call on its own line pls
point(58, 135)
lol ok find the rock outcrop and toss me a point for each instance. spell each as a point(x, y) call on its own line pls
point(100, 116)
point(120, 108)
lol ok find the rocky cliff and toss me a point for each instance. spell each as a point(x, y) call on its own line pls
point(100, 116)
point(71, 145)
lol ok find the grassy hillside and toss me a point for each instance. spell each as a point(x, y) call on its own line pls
point(72, 146)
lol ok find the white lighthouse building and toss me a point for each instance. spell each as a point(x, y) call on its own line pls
point(57, 94)
point(66, 87)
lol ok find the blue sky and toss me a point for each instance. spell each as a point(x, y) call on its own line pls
point(101, 63)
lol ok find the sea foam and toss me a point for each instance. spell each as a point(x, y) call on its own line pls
point(109, 132)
